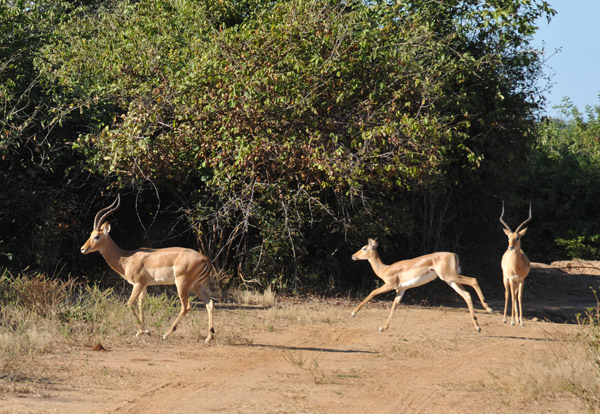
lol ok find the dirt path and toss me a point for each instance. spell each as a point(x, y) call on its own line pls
point(313, 358)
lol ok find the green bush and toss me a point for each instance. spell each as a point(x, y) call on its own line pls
point(562, 178)
point(290, 132)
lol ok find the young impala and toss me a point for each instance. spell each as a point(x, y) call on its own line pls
point(187, 269)
point(515, 268)
point(407, 274)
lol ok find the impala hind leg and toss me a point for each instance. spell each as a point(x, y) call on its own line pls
point(397, 300)
point(471, 281)
point(201, 292)
point(467, 298)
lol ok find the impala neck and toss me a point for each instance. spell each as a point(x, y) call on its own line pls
point(516, 248)
point(376, 263)
point(114, 255)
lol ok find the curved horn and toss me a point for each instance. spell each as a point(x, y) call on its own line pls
point(506, 226)
point(526, 221)
point(102, 214)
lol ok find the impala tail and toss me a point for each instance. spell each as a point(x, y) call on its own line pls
point(457, 264)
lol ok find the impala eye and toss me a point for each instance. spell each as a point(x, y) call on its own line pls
point(97, 238)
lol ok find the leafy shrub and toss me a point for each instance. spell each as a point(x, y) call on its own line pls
point(562, 179)
point(288, 130)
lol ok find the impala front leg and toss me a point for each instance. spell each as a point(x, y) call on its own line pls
point(513, 296)
point(140, 303)
point(184, 297)
point(137, 295)
point(378, 291)
point(397, 300)
point(506, 295)
point(520, 301)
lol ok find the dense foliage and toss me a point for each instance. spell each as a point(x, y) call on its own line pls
point(564, 179)
point(37, 204)
point(280, 134)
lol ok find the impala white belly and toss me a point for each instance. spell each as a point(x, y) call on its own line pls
point(162, 275)
point(419, 280)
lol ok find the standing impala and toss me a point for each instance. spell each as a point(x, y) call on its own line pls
point(515, 268)
point(407, 274)
point(185, 268)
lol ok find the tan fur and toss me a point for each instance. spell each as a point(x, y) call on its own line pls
point(406, 274)
point(515, 268)
point(187, 269)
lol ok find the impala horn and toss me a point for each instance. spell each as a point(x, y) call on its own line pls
point(506, 226)
point(520, 225)
point(106, 211)
point(526, 221)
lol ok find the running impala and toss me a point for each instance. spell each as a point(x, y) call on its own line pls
point(407, 274)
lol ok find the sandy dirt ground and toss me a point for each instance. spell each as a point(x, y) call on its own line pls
point(309, 356)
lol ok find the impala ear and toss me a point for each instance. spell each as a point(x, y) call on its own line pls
point(105, 227)
point(523, 231)
point(373, 243)
point(507, 232)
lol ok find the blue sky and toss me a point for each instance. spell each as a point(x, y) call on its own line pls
point(575, 68)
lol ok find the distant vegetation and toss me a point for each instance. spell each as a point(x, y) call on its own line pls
point(278, 136)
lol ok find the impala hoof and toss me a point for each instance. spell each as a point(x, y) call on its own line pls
point(478, 329)
point(490, 311)
point(353, 314)
point(380, 329)
point(142, 332)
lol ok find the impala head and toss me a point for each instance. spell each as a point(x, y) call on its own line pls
point(514, 237)
point(101, 228)
point(366, 251)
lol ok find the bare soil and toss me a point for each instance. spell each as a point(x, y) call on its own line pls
point(310, 356)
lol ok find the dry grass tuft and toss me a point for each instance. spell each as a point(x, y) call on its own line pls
point(589, 392)
point(265, 299)
point(569, 365)
point(564, 361)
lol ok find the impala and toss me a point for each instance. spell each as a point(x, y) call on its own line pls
point(515, 268)
point(187, 269)
point(407, 274)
